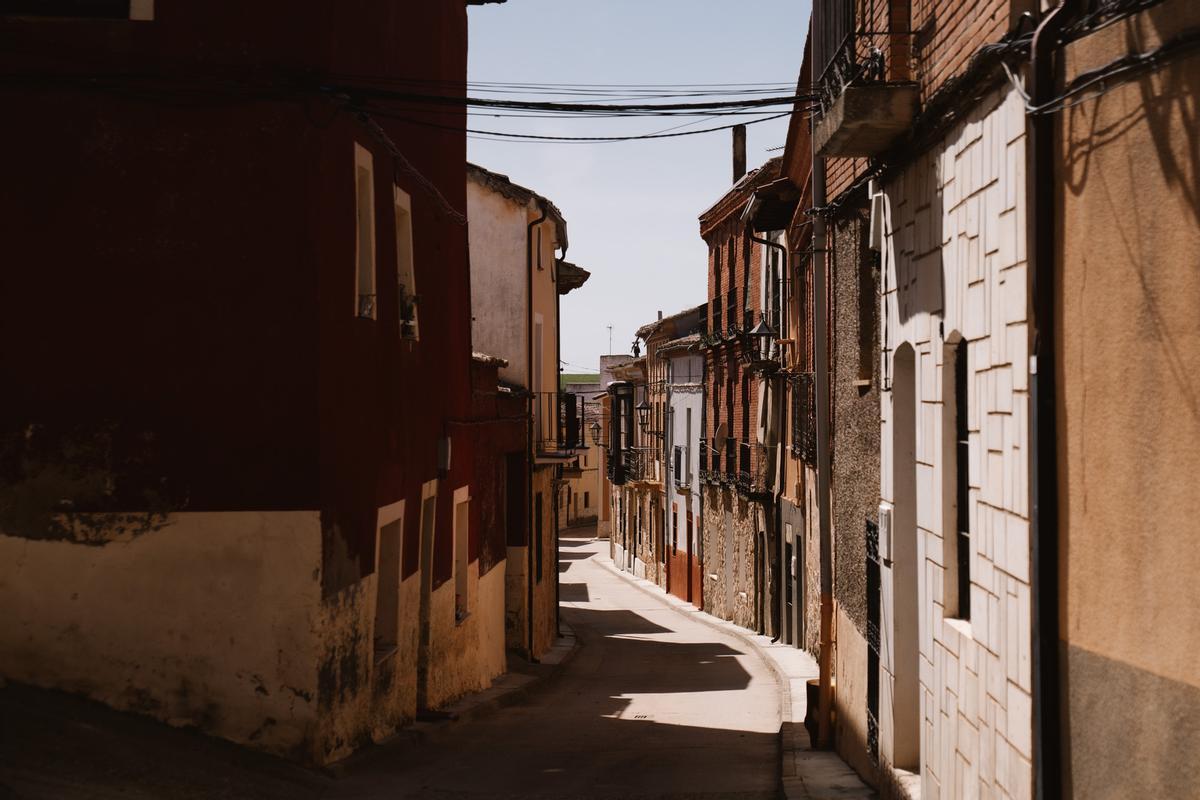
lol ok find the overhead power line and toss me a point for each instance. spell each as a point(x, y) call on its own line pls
point(359, 93)
point(545, 138)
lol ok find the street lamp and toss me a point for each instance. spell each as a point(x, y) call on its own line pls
point(760, 337)
point(643, 412)
point(595, 429)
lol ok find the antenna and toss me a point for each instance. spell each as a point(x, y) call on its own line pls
point(610, 338)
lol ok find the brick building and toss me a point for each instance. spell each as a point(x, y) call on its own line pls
point(736, 469)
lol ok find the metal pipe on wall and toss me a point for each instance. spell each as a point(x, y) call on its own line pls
point(821, 370)
point(1048, 752)
point(533, 399)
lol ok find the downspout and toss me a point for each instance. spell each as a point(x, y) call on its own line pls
point(530, 456)
point(777, 504)
point(557, 410)
point(821, 368)
point(1048, 751)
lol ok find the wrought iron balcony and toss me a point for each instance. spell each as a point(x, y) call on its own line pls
point(557, 422)
point(867, 95)
point(804, 417)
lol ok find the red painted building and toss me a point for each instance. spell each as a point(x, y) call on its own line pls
point(236, 292)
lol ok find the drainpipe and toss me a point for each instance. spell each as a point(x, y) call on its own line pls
point(821, 368)
point(774, 391)
point(532, 458)
point(1048, 750)
point(558, 469)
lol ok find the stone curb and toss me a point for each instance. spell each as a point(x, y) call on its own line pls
point(508, 689)
point(804, 773)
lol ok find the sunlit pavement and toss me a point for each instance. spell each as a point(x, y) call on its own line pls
point(654, 704)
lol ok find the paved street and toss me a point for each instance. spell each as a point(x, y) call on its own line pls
point(654, 705)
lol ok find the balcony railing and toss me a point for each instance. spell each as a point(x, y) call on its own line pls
point(804, 418)
point(867, 97)
point(557, 422)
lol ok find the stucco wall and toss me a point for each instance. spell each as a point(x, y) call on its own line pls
point(954, 259)
point(467, 654)
point(499, 294)
point(216, 621)
point(729, 532)
point(1129, 435)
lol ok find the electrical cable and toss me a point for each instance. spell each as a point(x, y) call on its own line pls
point(545, 138)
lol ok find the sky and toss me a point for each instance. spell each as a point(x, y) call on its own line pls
point(632, 208)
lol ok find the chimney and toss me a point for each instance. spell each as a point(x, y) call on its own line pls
point(739, 152)
point(660, 316)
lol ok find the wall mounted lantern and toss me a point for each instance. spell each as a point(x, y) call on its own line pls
point(643, 412)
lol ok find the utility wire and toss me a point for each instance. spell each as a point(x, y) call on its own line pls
point(545, 138)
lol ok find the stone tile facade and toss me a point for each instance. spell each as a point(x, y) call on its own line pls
point(955, 269)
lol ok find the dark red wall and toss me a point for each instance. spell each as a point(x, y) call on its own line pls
point(180, 256)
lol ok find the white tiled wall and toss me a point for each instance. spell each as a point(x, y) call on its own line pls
point(954, 257)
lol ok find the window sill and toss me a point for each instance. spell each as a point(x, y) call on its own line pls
point(962, 626)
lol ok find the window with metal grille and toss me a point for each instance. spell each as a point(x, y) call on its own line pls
point(962, 473)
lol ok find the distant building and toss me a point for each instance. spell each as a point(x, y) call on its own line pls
point(679, 351)
point(581, 492)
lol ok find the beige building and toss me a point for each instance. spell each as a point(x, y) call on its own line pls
point(1127, 349)
point(517, 280)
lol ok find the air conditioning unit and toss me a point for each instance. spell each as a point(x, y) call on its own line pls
point(885, 532)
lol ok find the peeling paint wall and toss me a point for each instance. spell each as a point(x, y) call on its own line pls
point(214, 621)
point(466, 655)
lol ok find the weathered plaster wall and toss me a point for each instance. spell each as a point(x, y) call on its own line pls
point(467, 654)
point(499, 294)
point(955, 265)
point(216, 621)
point(1129, 435)
point(850, 695)
point(729, 533)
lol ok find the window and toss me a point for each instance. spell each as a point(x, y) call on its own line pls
point(406, 278)
point(537, 534)
point(462, 527)
point(364, 201)
point(956, 452)
point(587, 499)
point(138, 10)
point(389, 536)
point(687, 448)
point(674, 529)
point(962, 473)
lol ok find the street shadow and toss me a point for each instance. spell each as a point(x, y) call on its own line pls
point(622, 721)
point(573, 593)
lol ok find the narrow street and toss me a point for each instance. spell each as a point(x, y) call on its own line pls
point(654, 704)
